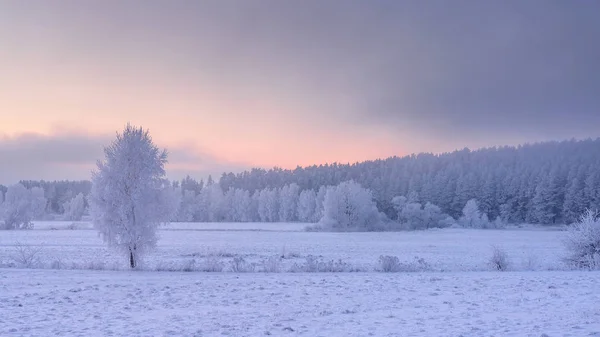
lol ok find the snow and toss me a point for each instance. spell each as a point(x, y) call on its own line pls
point(444, 250)
point(93, 303)
point(212, 226)
point(459, 297)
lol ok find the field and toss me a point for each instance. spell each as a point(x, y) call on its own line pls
point(452, 291)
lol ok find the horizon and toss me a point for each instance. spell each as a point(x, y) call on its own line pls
point(227, 87)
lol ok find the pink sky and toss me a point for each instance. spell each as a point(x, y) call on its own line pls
point(228, 85)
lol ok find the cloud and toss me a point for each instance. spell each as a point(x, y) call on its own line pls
point(72, 156)
point(427, 75)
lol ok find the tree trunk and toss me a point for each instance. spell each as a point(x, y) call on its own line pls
point(131, 259)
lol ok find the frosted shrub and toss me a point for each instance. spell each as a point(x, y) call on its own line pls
point(391, 264)
point(212, 264)
point(189, 265)
point(94, 265)
point(271, 265)
point(26, 256)
point(315, 264)
point(56, 264)
point(531, 263)
point(240, 265)
point(583, 242)
point(499, 259)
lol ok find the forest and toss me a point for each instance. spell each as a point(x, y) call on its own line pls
point(541, 183)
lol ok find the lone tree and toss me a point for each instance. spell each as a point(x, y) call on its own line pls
point(129, 197)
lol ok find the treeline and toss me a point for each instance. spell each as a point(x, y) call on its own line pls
point(542, 183)
point(57, 193)
point(545, 183)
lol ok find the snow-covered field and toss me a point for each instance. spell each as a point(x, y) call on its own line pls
point(93, 303)
point(443, 250)
point(459, 296)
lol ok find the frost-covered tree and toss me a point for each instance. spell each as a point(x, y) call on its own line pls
point(547, 200)
point(319, 207)
point(433, 217)
point(583, 242)
point(216, 203)
point(288, 203)
point(188, 206)
point(472, 216)
point(575, 201)
point(268, 205)
point(18, 208)
point(75, 208)
point(239, 205)
point(399, 203)
point(412, 215)
point(38, 202)
point(350, 207)
point(129, 197)
point(307, 205)
point(243, 201)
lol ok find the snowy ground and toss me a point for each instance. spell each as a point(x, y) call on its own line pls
point(108, 303)
point(460, 296)
point(444, 250)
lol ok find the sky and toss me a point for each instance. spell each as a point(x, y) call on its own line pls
point(227, 85)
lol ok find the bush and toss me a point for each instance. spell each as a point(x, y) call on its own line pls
point(239, 265)
point(583, 242)
point(271, 265)
point(499, 259)
point(391, 264)
point(212, 264)
point(315, 264)
point(26, 256)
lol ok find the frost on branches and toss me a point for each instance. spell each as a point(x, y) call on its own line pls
point(350, 207)
point(130, 196)
point(20, 206)
point(75, 208)
point(583, 242)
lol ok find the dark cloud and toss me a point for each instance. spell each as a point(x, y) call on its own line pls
point(468, 70)
point(73, 156)
point(506, 67)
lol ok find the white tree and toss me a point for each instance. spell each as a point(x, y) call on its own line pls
point(434, 218)
point(472, 217)
point(319, 208)
point(216, 203)
point(399, 203)
point(243, 205)
point(75, 208)
point(307, 204)
point(129, 197)
point(268, 205)
point(171, 194)
point(38, 202)
point(188, 206)
point(18, 209)
point(350, 207)
point(411, 216)
point(229, 206)
point(583, 241)
point(288, 203)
